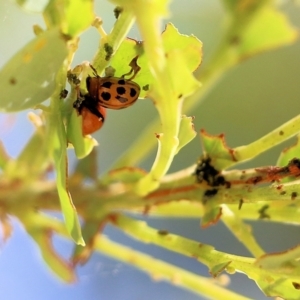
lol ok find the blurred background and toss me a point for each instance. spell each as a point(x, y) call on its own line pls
point(252, 99)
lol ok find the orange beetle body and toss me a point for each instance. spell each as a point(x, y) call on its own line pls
point(93, 114)
point(105, 92)
point(113, 92)
point(91, 122)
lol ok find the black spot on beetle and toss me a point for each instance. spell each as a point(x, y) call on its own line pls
point(107, 84)
point(132, 92)
point(121, 90)
point(122, 82)
point(105, 96)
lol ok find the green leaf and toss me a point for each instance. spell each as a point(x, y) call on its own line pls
point(184, 54)
point(219, 268)
point(289, 153)
point(269, 29)
point(281, 260)
point(183, 83)
point(189, 46)
point(89, 232)
point(28, 78)
point(211, 216)
point(121, 59)
point(64, 13)
point(218, 151)
point(60, 161)
point(73, 24)
point(278, 286)
point(83, 145)
point(186, 131)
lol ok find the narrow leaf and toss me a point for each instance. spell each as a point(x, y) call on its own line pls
point(186, 131)
point(83, 145)
point(60, 161)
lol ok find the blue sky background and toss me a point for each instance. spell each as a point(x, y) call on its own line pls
point(254, 98)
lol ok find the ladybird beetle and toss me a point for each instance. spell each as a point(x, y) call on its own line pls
point(105, 92)
point(93, 114)
point(114, 92)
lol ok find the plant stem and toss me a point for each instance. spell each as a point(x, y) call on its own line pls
point(110, 43)
point(160, 270)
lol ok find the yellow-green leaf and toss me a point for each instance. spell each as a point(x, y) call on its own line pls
point(269, 29)
point(221, 155)
point(83, 145)
point(186, 131)
point(61, 167)
point(289, 153)
point(28, 77)
point(189, 46)
point(64, 13)
point(211, 216)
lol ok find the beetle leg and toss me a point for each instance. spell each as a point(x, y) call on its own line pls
point(95, 71)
